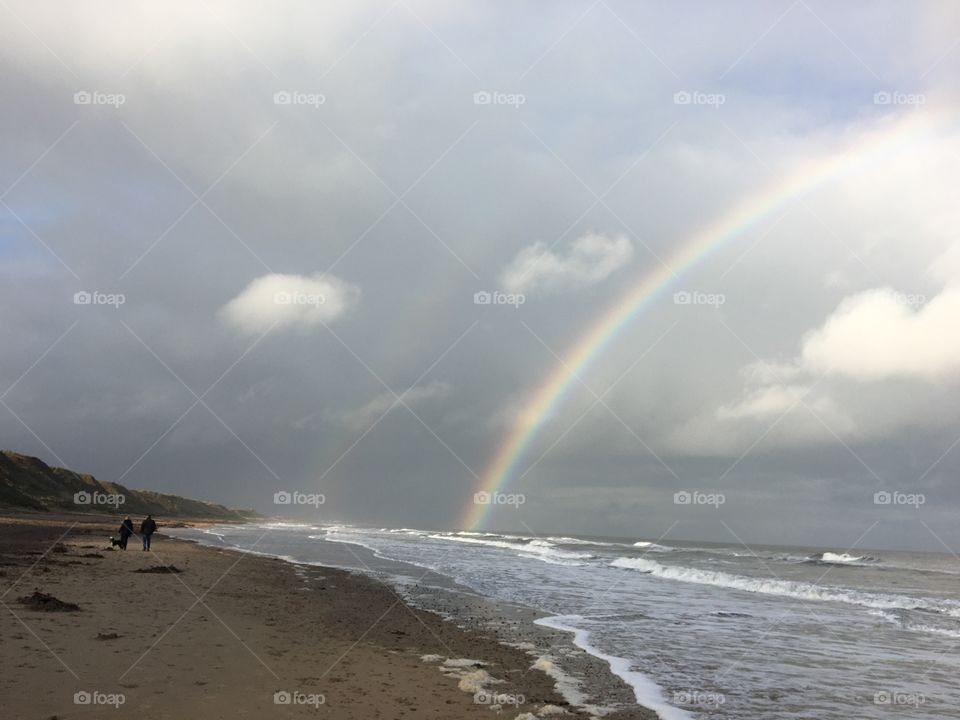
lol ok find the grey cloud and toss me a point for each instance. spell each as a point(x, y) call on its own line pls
point(401, 187)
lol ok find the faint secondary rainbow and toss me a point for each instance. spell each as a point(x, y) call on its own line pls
point(582, 354)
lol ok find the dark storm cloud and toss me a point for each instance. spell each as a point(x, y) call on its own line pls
point(228, 154)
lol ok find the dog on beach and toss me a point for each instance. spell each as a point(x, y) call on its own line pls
point(115, 542)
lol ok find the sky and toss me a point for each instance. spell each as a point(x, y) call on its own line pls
point(364, 252)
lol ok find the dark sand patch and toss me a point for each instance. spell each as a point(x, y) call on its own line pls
point(160, 569)
point(47, 603)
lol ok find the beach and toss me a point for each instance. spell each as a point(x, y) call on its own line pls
point(228, 634)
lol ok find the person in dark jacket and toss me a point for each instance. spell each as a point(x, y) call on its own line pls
point(126, 530)
point(147, 528)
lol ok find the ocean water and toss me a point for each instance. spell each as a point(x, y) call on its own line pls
point(698, 630)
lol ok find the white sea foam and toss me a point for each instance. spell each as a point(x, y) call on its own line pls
point(656, 547)
point(645, 690)
point(568, 686)
point(218, 536)
point(564, 540)
point(377, 551)
point(540, 549)
point(349, 539)
point(843, 558)
point(405, 531)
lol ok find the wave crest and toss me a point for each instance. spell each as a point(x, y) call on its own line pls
point(788, 588)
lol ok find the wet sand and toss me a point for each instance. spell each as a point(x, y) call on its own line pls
point(237, 635)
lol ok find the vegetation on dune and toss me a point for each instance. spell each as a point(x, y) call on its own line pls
point(29, 483)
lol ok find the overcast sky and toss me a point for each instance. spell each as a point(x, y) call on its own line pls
point(282, 212)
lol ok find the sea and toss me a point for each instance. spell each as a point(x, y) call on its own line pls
point(697, 630)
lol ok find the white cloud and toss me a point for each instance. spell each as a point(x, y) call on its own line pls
point(591, 258)
point(880, 334)
point(903, 344)
point(289, 301)
point(765, 402)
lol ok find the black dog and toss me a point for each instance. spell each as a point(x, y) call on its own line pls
point(114, 542)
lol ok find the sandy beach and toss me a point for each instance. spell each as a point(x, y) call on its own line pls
point(235, 635)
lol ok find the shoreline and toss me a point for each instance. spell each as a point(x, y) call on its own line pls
point(234, 629)
point(557, 650)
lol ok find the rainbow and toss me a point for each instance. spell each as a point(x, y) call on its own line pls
point(612, 321)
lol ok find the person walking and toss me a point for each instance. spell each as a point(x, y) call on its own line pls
point(126, 530)
point(147, 528)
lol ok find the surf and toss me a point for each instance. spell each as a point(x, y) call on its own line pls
point(787, 588)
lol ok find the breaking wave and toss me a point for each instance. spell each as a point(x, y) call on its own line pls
point(788, 588)
point(540, 549)
point(831, 558)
